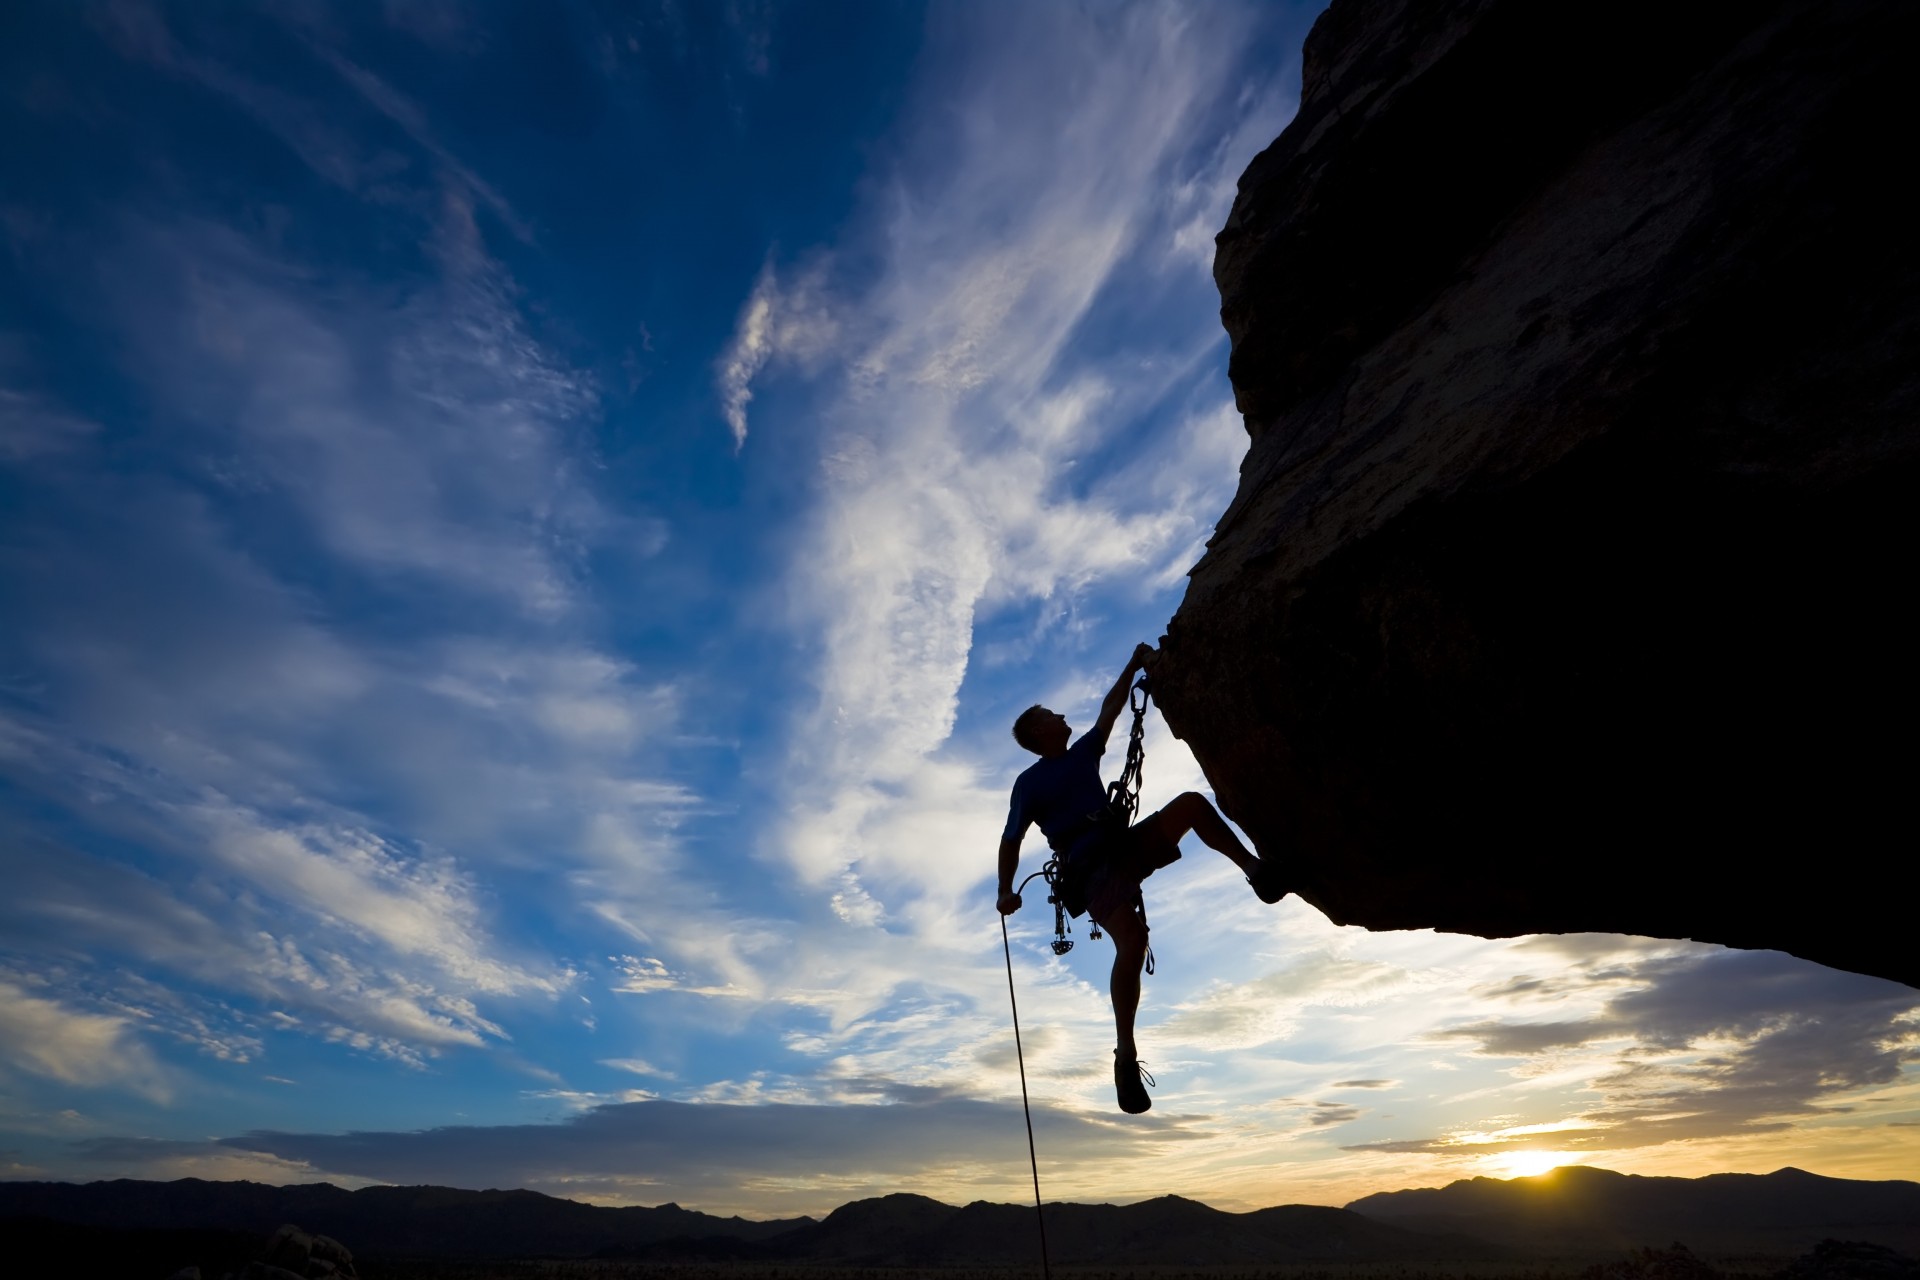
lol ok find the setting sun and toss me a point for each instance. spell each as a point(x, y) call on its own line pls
point(1525, 1164)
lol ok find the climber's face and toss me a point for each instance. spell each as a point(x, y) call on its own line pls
point(1051, 731)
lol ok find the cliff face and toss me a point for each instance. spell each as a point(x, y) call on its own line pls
point(1568, 581)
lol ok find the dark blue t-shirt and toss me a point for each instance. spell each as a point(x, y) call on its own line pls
point(1058, 793)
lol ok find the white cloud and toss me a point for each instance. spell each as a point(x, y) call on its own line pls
point(433, 439)
point(47, 1038)
point(643, 975)
point(165, 1160)
point(415, 907)
point(791, 321)
point(582, 698)
point(302, 971)
point(1229, 1017)
point(638, 1066)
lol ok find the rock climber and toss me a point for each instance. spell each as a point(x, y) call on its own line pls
point(1102, 864)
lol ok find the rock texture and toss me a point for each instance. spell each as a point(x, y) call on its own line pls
point(1568, 582)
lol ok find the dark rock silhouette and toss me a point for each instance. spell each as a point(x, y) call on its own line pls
point(1580, 1210)
point(1566, 587)
point(382, 1221)
point(907, 1230)
point(1852, 1260)
point(1676, 1262)
point(895, 1230)
point(180, 1252)
point(293, 1252)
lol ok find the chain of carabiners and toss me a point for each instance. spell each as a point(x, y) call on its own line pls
point(1124, 793)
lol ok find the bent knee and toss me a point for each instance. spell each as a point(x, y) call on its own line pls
point(1189, 806)
point(1129, 934)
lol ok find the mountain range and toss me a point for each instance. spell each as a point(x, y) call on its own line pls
point(1567, 1213)
point(1577, 1210)
point(910, 1230)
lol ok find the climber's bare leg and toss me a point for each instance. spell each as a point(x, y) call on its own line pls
point(1128, 929)
point(1191, 811)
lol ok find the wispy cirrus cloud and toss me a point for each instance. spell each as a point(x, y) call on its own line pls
point(346, 152)
point(323, 803)
point(432, 439)
point(784, 320)
point(297, 969)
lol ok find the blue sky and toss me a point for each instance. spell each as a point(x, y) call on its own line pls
point(524, 530)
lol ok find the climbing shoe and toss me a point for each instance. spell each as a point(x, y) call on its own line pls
point(1266, 882)
point(1130, 1080)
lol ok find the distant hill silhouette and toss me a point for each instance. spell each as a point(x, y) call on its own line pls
point(407, 1221)
point(1579, 1209)
point(1570, 1212)
point(910, 1230)
point(888, 1230)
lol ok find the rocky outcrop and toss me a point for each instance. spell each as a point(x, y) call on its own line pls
point(1675, 1262)
point(1852, 1260)
point(1567, 584)
point(293, 1252)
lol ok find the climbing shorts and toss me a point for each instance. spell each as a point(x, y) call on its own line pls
point(1130, 857)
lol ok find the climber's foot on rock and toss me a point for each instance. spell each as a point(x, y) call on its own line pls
point(1265, 880)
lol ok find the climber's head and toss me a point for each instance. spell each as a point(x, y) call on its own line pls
point(1043, 732)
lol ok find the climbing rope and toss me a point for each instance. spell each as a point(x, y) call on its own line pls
point(1021, 1054)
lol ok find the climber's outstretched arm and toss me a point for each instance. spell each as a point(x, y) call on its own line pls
point(1116, 700)
point(1009, 867)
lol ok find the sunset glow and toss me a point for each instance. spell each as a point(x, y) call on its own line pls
point(1527, 1164)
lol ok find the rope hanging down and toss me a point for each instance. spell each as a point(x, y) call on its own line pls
point(1046, 1271)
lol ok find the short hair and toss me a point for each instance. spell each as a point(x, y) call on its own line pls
point(1023, 727)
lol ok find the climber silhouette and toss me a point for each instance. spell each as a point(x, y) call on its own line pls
point(1102, 864)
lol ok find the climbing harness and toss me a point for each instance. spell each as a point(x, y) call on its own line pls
point(1123, 802)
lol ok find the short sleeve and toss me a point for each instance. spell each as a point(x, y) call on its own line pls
point(1017, 819)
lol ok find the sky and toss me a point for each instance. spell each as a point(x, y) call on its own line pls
point(523, 529)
